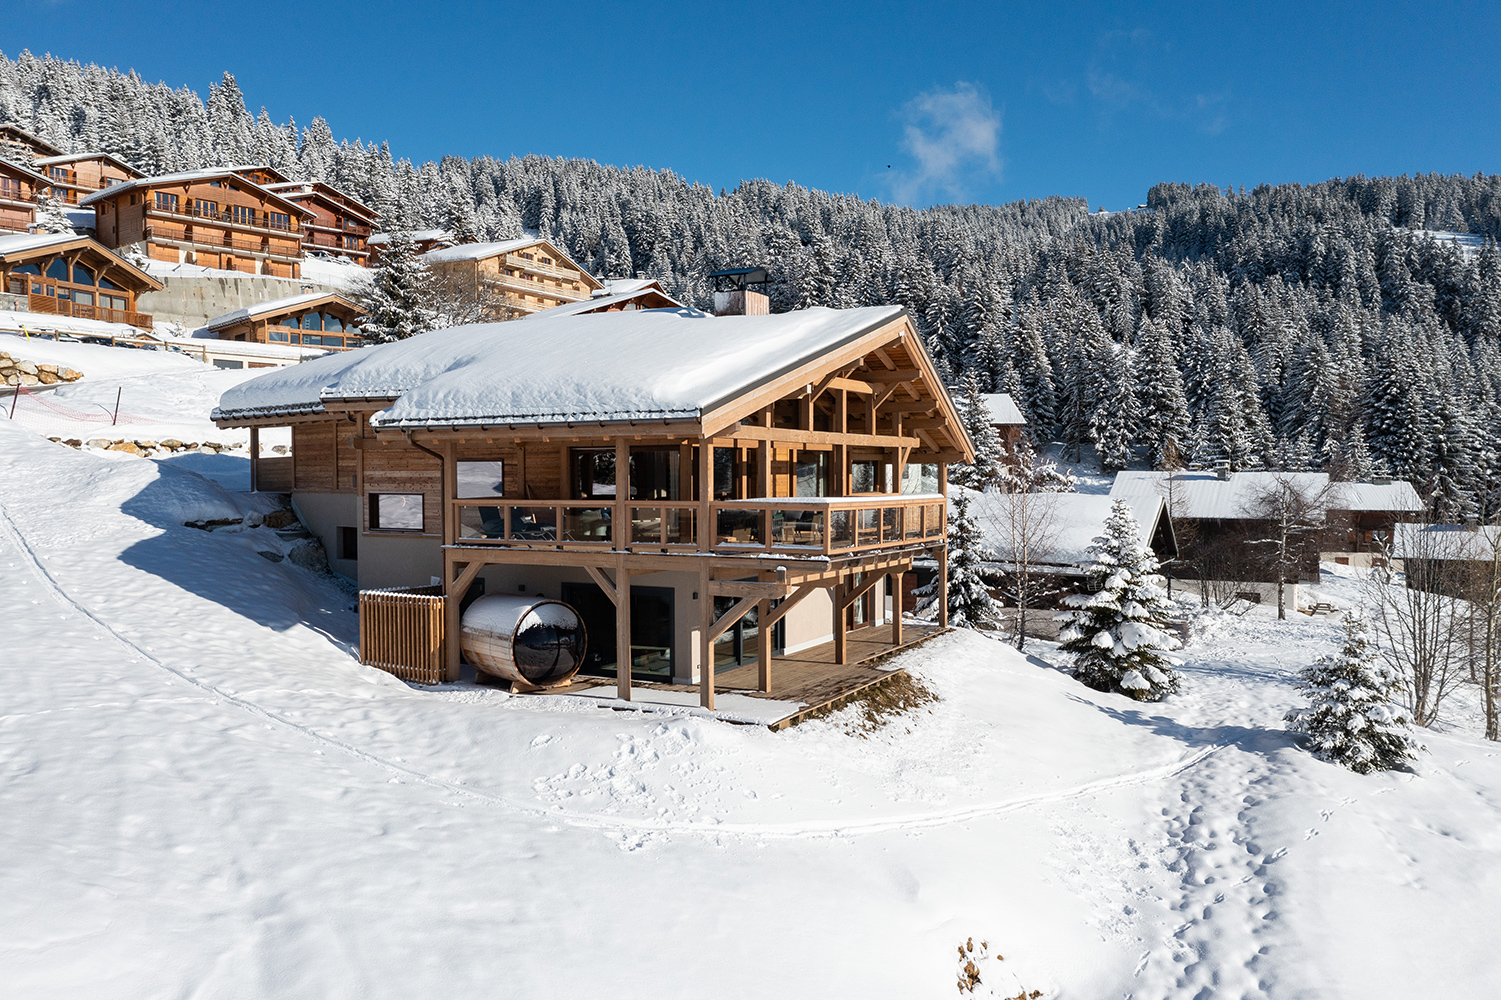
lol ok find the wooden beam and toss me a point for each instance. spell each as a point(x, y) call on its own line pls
point(898, 375)
point(779, 612)
point(764, 591)
point(918, 406)
point(851, 596)
point(603, 582)
point(791, 435)
point(727, 620)
point(851, 385)
point(884, 358)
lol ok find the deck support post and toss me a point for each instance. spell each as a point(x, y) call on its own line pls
point(763, 643)
point(896, 607)
point(255, 458)
point(622, 630)
point(705, 643)
point(841, 646)
point(454, 589)
point(943, 586)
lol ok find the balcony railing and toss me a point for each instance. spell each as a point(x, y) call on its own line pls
point(65, 307)
point(256, 220)
point(794, 526)
point(226, 242)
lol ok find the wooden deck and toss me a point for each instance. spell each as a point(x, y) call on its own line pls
point(809, 676)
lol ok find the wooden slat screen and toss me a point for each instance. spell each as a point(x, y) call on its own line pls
point(401, 632)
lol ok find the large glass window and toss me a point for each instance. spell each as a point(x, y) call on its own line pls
point(82, 275)
point(870, 476)
point(396, 512)
point(312, 321)
point(481, 479)
point(654, 473)
point(812, 474)
point(920, 478)
point(166, 202)
point(106, 283)
point(332, 322)
point(58, 270)
point(593, 471)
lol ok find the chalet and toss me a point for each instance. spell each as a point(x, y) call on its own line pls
point(1458, 560)
point(690, 484)
point(214, 218)
point(21, 146)
point(1063, 527)
point(19, 187)
point(514, 277)
point(645, 295)
point(261, 174)
point(313, 319)
point(68, 275)
point(1007, 419)
point(1215, 518)
point(426, 239)
point(340, 225)
point(77, 175)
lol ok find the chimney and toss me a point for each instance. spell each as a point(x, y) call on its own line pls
point(1222, 468)
point(733, 295)
point(1381, 480)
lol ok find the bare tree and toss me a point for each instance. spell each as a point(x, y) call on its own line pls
point(1421, 620)
point(1484, 594)
point(1292, 513)
point(1024, 527)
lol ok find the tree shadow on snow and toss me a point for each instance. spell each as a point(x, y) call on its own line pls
point(224, 567)
point(1250, 739)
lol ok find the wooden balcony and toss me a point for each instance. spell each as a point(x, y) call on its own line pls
point(225, 242)
point(806, 527)
point(259, 221)
point(50, 306)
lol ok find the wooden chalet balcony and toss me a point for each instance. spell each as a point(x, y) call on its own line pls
point(50, 306)
point(807, 527)
point(320, 239)
point(516, 260)
point(259, 222)
point(180, 235)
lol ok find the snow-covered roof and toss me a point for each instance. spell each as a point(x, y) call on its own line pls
point(185, 177)
point(18, 168)
point(272, 306)
point(1073, 521)
point(1445, 541)
point(479, 251)
point(196, 345)
point(624, 286)
point(1397, 494)
point(1205, 495)
point(600, 303)
point(420, 235)
point(1003, 409)
point(290, 189)
point(50, 161)
point(644, 365)
point(27, 242)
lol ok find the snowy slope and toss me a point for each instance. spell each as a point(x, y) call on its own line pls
point(203, 794)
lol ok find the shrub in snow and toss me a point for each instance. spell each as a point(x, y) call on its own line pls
point(1352, 719)
point(1116, 632)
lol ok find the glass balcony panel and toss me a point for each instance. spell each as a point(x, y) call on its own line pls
point(842, 525)
point(680, 527)
point(798, 527)
point(738, 526)
point(891, 523)
point(586, 524)
point(646, 525)
point(933, 520)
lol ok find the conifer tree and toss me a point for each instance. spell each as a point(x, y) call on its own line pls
point(970, 603)
point(985, 470)
point(51, 217)
point(1164, 423)
point(1115, 632)
point(1354, 718)
point(398, 299)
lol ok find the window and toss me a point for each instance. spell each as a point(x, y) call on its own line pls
point(331, 322)
point(244, 215)
point(82, 275)
point(226, 363)
point(870, 476)
point(281, 220)
point(106, 283)
point(205, 209)
point(349, 543)
point(312, 321)
point(350, 242)
point(544, 260)
point(920, 479)
point(112, 181)
point(217, 184)
point(83, 298)
point(164, 202)
point(276, 336)
point(481, 479)
point(396, 512)
point(114, 302)
point(58, 270)
point(811, 474)
point(10, 187)
point(59, 173)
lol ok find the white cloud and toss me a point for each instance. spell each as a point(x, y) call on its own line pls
point(955, 137)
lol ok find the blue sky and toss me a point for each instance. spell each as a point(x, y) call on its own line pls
point(984, 102)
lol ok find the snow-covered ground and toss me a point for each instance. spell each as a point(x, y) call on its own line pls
point(203, 794)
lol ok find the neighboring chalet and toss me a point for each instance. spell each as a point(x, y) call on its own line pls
point(19, 187)
point(312, 319)
point(62, 274)
point(213, 218)
point(339, 225)
point(514, 277)
point(76, 176)
point(20, 146)
point(1215, 518)
point(691, 484)
point(1007, 419)
point(1063, 526)
point(426, 239)
point(1458, 560)
point(642, 295)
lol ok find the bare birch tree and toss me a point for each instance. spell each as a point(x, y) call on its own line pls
point(1025, 526)
point(1292, 514)
point(1421, 618)
point(1485, 626)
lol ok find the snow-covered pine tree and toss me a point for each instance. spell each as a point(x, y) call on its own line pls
point(1353, 718)
point(1116, 632)
point(1163, 424)
point(985, 471)
point(970, 603)
point(398, 298)
point(1113, 422)
point(51, 217)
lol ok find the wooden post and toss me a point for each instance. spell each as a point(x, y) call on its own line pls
point(841, 651)
point(705, 498)
point(255, 459)
point(622, 630)
point(896, 607)
point(943, 551)
point(621, 531)
point(451, 621)
point(450, 492)
point(705, 645)
point(763, 642)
